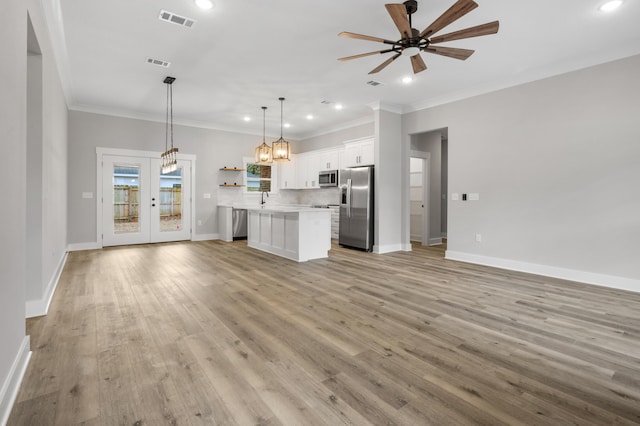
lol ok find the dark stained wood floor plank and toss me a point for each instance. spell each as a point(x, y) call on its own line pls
point(213, 333)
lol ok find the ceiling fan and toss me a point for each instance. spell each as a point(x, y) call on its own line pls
point(412, 41)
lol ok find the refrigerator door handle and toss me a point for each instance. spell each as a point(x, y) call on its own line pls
point(348, 197)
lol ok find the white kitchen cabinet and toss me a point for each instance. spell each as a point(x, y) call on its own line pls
point(329, 159)
point(359, 153)
point(288, 175)
point(308, 168)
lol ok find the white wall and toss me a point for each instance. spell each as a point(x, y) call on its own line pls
point(214, 149)
point(556, 165)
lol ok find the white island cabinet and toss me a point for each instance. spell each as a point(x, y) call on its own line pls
point(297, 233)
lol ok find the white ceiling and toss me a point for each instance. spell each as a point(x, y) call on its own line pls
point(242, 55)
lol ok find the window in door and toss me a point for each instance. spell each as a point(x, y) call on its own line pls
point(126, 186)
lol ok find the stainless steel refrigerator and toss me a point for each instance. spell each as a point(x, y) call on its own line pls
point(356, 208)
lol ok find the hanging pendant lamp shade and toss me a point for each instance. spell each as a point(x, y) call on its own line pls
point(263, 152)
point(281, 148)
point(170, 155)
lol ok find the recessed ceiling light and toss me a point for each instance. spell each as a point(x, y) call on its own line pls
point(309, 117)
point(204, 4)
point(247, 118)
point(407, 80)
point(610, 6)
point(338, 106)
point(287, 125)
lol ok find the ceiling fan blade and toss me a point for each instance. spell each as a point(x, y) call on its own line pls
point(477, 31)
point(455, 12)
point(451, 52)
point(364, 37)
point(362, 55)
point(398, 13)
point(418, 64)
point(384, 64)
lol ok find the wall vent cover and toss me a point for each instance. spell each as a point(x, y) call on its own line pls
point(374, 83)
point(176, 19)
point(158, 62)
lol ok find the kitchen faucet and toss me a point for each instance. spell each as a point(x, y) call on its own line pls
point(262, 201)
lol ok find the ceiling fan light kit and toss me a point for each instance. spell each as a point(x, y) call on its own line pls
point(412, 41)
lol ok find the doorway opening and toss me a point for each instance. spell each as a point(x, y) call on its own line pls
point(428, 187)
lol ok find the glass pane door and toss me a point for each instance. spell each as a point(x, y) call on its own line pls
point(125, 207)
point(171, 203)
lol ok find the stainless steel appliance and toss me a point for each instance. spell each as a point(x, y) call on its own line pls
point(239, 224)
point(356, 208)
point(328, 178)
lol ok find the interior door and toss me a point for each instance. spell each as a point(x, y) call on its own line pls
point(416, 194)
point(141, 205)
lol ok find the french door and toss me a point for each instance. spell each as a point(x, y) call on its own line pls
point(141, 205)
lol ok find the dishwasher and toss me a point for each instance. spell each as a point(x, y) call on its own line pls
point(239, 224)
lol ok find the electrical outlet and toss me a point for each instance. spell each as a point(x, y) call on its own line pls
point(478, 238)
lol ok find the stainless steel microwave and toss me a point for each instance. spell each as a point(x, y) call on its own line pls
point(328, 178)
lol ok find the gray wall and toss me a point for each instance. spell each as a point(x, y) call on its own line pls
point(336, 138)
point(214, 149)
point(556, 165)
point(14, 258)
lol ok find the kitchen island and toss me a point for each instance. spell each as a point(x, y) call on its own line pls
point(297, 233)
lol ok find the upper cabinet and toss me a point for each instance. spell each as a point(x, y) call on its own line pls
point(303, 169)
point(329, 159)
point(358, 153)
point(288, 175)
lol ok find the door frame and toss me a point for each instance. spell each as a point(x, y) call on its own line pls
point(426, 193)
point(100, 152)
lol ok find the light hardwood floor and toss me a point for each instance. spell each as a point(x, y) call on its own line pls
point(206, 333)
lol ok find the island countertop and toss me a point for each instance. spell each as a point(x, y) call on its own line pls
point(297, 233)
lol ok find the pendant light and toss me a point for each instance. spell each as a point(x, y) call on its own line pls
point(170, 155)
point(263, 152)
point(281, 148)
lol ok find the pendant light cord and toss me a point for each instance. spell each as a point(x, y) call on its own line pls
point(281, 105)
point(166, 124)
point(171, 100)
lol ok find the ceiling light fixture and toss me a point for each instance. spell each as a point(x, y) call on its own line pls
point(309, 117)
point(281, 148)
point(169, 157)
point(610, 6)
point(407, 80)
point(263, 152)
point(338, 106)
point(204, 4)
point(247, 118)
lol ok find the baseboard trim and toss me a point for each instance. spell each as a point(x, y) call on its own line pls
point(205, 237)
point(39, 307)
point(435, 241)
point(602, 280)
point(83, 246)
point(11, 386)
point(389, 248)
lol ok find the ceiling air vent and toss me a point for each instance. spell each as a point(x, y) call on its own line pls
point(373, 83)
point(158, 62)
point(176, 19)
